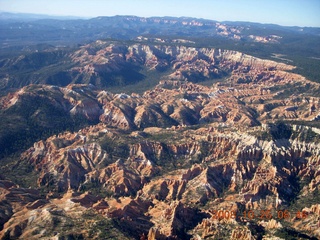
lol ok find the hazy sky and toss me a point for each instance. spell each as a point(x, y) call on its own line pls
point(283, 12)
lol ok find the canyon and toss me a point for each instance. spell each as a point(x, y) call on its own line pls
point(220, 131)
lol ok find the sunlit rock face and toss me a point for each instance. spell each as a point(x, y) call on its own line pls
point(185, 63)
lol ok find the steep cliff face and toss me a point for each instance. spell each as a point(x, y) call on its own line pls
point(186, 63)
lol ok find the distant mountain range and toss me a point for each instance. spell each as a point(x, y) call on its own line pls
point(26, 28)
point(31, 16)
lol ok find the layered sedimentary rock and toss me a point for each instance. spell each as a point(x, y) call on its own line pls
point(189, 63)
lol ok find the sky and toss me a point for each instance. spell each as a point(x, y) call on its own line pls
point(283, 12)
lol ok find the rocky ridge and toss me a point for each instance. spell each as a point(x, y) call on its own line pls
point(186, 63)
point(112, 64)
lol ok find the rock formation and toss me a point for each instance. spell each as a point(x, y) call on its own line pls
point(179, 161)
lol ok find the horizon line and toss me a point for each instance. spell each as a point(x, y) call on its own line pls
point(165, 16)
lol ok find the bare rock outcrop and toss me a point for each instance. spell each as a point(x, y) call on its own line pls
point(162, 162)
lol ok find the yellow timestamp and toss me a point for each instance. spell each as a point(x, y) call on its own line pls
point(257, 215)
